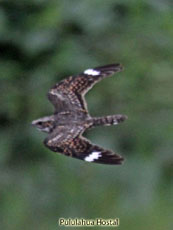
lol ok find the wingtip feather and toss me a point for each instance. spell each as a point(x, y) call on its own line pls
point(110, 67)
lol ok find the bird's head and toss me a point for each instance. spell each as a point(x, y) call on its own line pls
point(44, 124)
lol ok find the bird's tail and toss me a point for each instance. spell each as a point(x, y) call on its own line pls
point(109, 120)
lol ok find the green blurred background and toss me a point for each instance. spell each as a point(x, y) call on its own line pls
point(41, 42)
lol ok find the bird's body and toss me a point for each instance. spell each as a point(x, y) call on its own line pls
point(71, 118)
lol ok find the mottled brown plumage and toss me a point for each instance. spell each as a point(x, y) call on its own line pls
point(71, 117)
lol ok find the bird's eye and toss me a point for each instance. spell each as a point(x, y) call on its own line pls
point(39, 123)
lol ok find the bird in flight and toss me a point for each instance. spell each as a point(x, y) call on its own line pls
point(71, 118)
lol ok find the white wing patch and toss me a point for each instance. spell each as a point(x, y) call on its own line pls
point(93, 156)
point(92, 72)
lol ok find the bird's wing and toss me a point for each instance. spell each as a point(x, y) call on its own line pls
point(77, 146)
point(68, 95)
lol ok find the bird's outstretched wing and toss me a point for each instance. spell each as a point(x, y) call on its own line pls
point(71, 143)
point(68, 95)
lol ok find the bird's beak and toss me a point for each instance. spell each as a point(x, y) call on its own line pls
point(33, 123)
